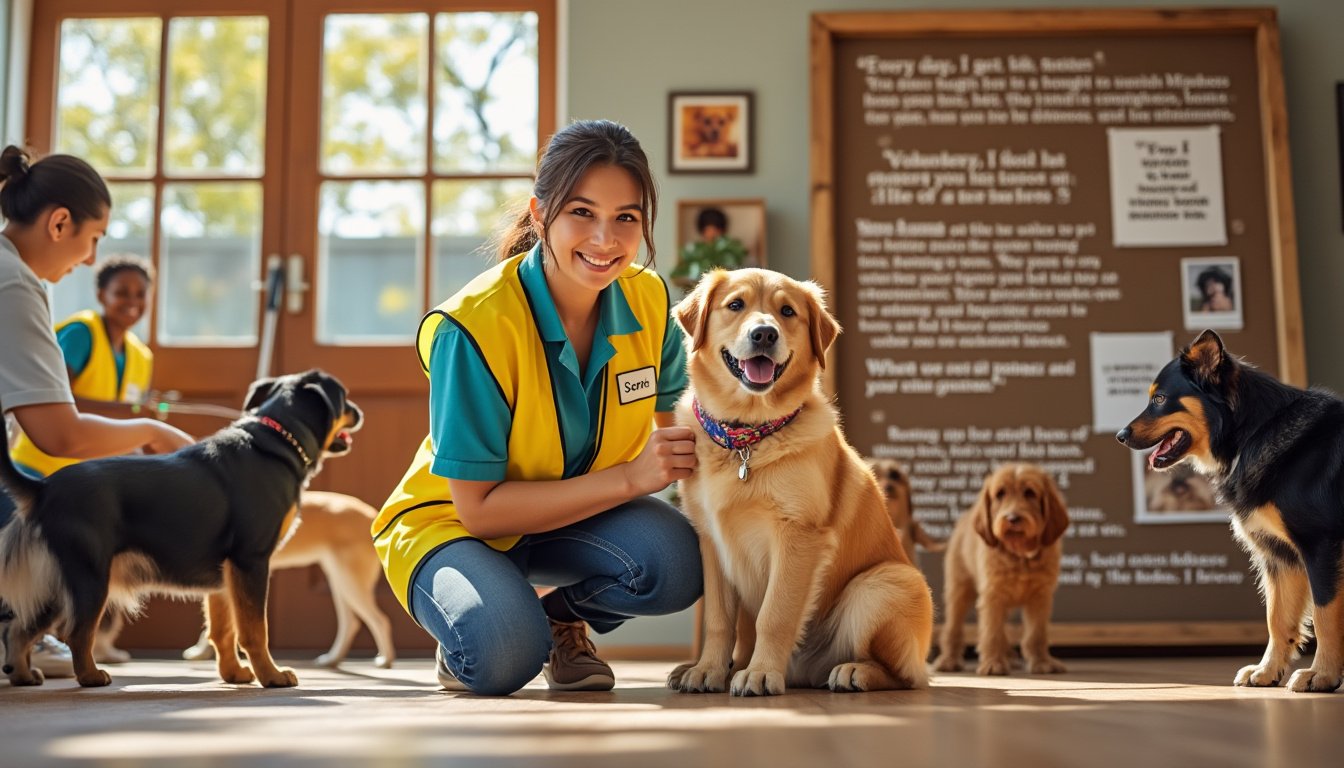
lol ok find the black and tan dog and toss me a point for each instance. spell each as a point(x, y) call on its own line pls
point(203, 519)
point(1276, 455)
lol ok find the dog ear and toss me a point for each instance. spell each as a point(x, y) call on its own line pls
point(258, 393)
point(692, 312)
point(1056, 513)
point(1206, 358)
point(983, 515)
point(821, 325)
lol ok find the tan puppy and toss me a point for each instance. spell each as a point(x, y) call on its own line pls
point(793, 529)
point(1005, 553)
point(333, 532)
point(895, 485)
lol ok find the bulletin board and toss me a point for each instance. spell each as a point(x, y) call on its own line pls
point(1020, 216)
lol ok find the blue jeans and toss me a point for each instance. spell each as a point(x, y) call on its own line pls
point(638, 559)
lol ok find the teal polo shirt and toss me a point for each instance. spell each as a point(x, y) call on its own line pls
point(471, 442)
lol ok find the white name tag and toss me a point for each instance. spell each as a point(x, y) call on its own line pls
point(636, 385)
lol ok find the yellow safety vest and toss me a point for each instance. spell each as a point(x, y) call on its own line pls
point(98, 381)
point(419, 516)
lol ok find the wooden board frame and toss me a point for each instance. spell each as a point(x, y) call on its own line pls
point(828, 28)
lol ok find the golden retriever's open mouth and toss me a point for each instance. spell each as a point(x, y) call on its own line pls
point(756, 373)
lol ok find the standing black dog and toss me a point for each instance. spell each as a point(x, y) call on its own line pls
point(1276, 455)
point(203, 519)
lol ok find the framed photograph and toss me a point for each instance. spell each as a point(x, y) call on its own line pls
point(1211, 292)
point(727, 233)
point(1178, 495)
point(710, 132)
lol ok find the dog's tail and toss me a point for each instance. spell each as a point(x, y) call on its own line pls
point(30, 579)
point(20, 487)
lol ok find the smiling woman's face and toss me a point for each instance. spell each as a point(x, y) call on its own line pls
point(597, 232)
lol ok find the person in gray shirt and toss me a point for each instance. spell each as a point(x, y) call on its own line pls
point(55, 210)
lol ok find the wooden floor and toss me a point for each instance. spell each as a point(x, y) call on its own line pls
point(1137, 713)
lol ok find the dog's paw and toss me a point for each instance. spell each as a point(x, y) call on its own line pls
point(1259, 676)
point(34, 677)
point(697, 678)
point(328, 660)
point(239, 675)
point(1046, 666)
point(95, 679)
point(758, 682)
point(947, 663)
point(199, 652)
point(1313, 681)
point(993, 666)
point(855, 676)
point(382, 662)
point(284, 678)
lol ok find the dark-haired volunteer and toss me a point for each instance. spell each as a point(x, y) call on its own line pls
point(509, 401)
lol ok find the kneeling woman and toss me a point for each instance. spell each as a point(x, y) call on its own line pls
point(547, 373)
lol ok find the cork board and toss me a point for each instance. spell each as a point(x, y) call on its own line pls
point(1019, 217)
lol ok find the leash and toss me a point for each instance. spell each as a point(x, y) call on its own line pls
point(739, 437)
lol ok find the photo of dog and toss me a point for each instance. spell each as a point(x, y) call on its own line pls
point(332, 531)
point(1276, 455)
point(1005, 553)
point(203, 519)
point(895, 485)
point(793, 528)
point(1179, 490)
point(710, 130)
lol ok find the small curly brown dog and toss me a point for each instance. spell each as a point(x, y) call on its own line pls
point(895, 484)
point(1005, 553)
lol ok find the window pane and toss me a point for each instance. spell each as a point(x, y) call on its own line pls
point(216, 96)
point(374, 93)
point(128, 231)
point(485, 108)
point(466, 214)
point(107, 97)
point(369, 261)
point(210, 259)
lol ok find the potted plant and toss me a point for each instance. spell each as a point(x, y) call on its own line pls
point(701, 256)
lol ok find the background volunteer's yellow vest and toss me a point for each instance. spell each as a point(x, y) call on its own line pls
point(98, 381)
point(419, 516)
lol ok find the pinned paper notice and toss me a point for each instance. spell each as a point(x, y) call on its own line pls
point(1167, 187)
point(1123, 367)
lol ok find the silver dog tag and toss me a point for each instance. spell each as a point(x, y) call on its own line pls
point(745, 455)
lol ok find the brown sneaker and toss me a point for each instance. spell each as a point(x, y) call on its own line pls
point(573, 664)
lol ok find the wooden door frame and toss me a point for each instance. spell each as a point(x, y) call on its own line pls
point(381, 369)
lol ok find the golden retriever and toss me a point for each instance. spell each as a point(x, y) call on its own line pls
point(710, 131)
point(1005, 553)
point(895, 485)
point(793, 530)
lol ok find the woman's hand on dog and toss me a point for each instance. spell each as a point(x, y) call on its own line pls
point(668, 456)
point(164, 438)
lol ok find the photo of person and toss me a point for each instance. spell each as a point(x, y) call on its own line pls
point(1178, 495)
point(1211, 291)
point(728, 233)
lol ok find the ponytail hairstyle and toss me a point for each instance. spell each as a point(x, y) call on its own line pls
point(571, 152)
point(64, 181)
